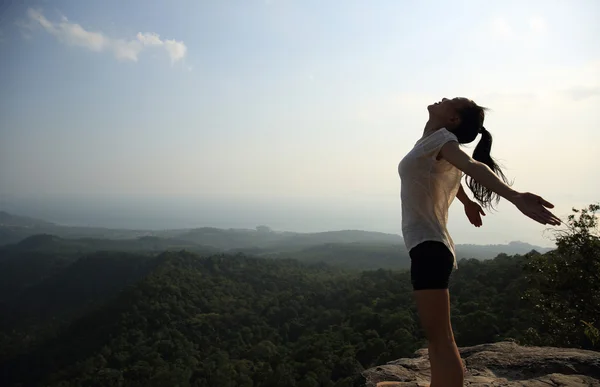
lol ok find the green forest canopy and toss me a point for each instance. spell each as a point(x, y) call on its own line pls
point(187, 319)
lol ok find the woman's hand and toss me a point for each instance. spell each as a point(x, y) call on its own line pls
point(536, 208)
point(474, 211)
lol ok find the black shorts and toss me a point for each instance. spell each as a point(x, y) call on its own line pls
point(431, 265)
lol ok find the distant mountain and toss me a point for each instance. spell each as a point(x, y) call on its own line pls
point(261, 241)
point(14, 228)
point(52, 243)
point(491, 251)
point(229, 239)
point(9, 220)
point(43, 242)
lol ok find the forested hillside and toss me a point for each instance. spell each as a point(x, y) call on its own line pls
point(368, 250)
point(190, 319)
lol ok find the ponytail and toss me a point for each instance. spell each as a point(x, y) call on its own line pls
point(482, 153)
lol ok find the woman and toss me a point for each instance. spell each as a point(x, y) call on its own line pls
point(430, 180)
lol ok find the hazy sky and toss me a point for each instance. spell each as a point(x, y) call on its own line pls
point(294, 101)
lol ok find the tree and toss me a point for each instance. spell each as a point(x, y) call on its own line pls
point(565, 283)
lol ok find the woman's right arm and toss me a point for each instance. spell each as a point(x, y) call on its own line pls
point(529, 204)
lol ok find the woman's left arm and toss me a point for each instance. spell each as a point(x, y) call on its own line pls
point(462, 196)
point(472, 209)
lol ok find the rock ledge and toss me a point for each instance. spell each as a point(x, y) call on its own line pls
point(500, 364)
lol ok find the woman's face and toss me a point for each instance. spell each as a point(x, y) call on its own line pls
point(446, 110)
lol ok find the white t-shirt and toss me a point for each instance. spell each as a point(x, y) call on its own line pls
point(428, 187)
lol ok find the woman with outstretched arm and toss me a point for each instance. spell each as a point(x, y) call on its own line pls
point(430, 177)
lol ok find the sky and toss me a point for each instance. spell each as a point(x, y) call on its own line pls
point(291, 113)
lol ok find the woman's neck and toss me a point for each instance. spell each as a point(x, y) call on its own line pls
point(430, 127)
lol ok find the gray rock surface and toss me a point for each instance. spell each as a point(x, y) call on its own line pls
point(500, 364)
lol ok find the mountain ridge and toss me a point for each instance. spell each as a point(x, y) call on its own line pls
point(16, 228)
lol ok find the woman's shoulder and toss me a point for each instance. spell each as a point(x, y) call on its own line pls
point(445, 133)
point(441, 134)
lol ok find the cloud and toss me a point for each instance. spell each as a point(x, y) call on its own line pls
point(175, 49)
point(70, 33)
point(127, 50)
point(73, 34)
point(149, 39)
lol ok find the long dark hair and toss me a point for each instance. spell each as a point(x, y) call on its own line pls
point(471, 124)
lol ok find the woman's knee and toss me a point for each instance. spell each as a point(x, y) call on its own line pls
point(442, 344)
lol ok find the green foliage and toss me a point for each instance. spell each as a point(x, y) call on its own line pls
point(565, 283)
point(181, 319)
point(241, 321)
point(591, 332)
point(360, 256)
point(230, 320)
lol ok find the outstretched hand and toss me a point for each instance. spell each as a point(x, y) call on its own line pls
point(536, 208)
point(474, 211)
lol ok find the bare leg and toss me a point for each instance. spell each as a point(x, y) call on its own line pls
point(433, 306)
